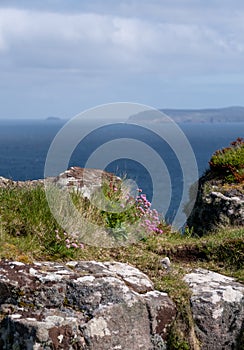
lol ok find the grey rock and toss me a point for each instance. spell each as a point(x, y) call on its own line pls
point(81, 305)
point(216, 208)
point(4, 182)
point(217, 305)
point(166, 263)
point(86, 181)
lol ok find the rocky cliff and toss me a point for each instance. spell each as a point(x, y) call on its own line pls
point(218, 205)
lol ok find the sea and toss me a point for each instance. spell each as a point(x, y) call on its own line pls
point(24, 145)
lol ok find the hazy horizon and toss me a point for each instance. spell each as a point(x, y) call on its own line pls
point(56, 117)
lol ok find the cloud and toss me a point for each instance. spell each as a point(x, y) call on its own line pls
point(105, 50)
point(92, 41)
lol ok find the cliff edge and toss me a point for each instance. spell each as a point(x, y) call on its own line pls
point(220, 199)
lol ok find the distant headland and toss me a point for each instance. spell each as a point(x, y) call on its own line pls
point(53, 119)
point(233, 114)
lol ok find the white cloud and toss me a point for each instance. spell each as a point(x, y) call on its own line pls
point(91, 41)
point(105, 50)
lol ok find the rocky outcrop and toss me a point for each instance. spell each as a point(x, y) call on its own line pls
point(85, 180)
point(81, 305)
point(217, 206)
point(8, 183)
point(217, 304)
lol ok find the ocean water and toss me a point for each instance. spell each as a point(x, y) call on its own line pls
point(24, 145)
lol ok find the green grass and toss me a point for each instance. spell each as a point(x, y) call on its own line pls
point(229, 162)
point(28, 232)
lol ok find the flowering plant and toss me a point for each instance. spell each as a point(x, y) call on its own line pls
point(68, 240)
point(150, 218)
point(125, 214)
point(133, 210)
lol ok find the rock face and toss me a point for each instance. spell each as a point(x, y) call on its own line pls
point(216, 208)
point(87, 181)
point(81, 305)
point(74, 177)
point(218, 310)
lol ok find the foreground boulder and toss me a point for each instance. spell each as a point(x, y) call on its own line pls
point(217, 305)
point(81, 305)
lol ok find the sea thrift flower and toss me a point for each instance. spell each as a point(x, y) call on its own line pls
point(74, 245)
point(68, 240)
point(149, 217)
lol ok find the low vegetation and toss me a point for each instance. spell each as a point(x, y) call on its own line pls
point(228, 162)
point(29, 232)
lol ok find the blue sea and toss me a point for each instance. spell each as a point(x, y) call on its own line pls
point(24, 145)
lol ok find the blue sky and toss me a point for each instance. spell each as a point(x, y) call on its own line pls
point(59, 57)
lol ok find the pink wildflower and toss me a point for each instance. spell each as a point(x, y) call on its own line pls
point(74, 245)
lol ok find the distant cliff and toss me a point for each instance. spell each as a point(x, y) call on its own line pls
point(210, 115)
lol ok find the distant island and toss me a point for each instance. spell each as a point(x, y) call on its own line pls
point(53, 119)
point(210, 115)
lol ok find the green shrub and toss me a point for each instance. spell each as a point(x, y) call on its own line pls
point(229, 162)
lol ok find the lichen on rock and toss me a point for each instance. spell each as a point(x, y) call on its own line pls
point(217, 304)
point(217, 206)
point(81, 305)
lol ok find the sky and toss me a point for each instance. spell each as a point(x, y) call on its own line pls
point(60, 57)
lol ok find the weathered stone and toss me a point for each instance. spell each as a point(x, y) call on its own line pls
point(4, 182)
point(218, 309)
point(85, 180)
point(8, 183)
point(216, 207)
point(81, 305)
